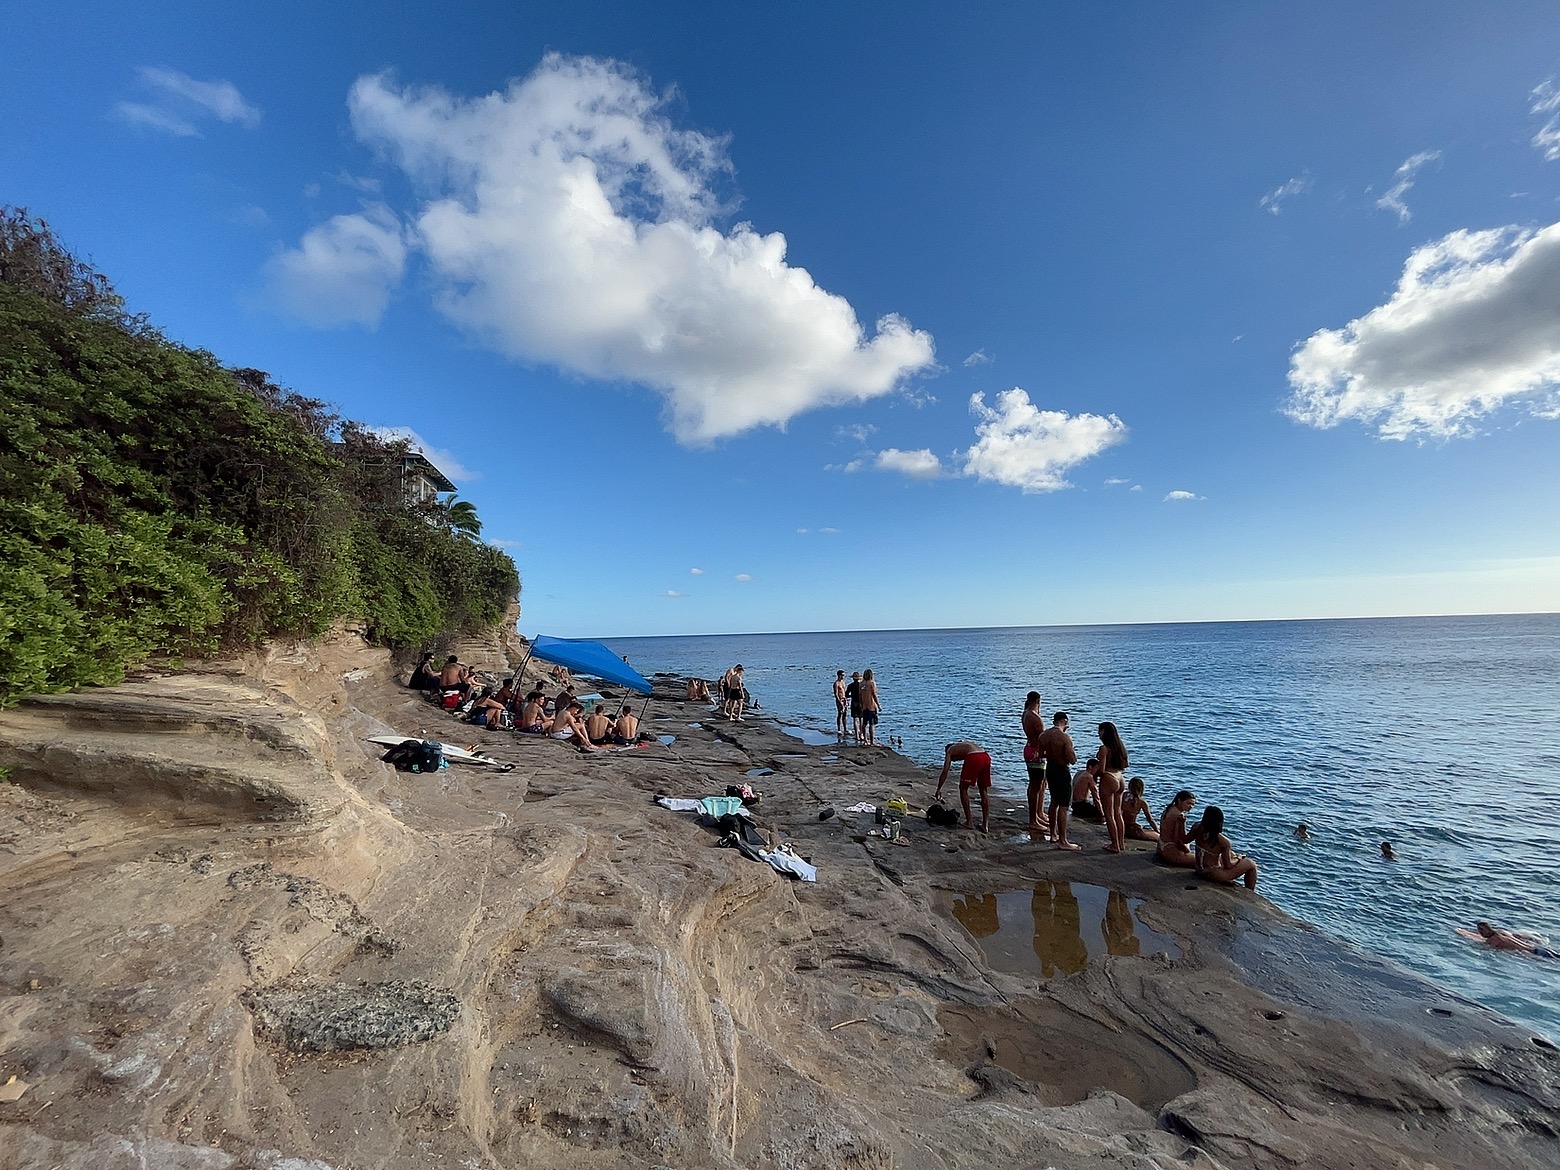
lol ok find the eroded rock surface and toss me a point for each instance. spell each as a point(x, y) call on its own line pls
point(231, 938)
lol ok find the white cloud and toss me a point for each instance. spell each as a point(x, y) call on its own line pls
point(674, 593)
point(860, 432)
point(1179, 496)
point(1273, 201)
point(569, 222)
point(1021, 446)
point(444, 460)
point(155, 118)
point(1546, 100)
point(1471, 327)
point(696, 572)
point(919, 398)
point(920, 464)
point(829, 531)
point(802, 531)
point(508, 545)
point(1403, 179)
point(1116, 481)
point(249, 215)
point(342, 271)
point(743, 577)
point(178, 101)
point(979, 358)
point(1137, 487)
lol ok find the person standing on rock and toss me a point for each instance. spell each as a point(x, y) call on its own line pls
point(1034, 760)
point(853, 698)
point(1113, 783)
point(870, 708)
point(731, 692)
point(974, 772)
point(1056, 748)
point(840, 698)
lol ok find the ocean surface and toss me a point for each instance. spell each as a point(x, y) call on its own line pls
point(1441, 735)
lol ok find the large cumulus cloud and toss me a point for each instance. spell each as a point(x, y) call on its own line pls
point(567, 221)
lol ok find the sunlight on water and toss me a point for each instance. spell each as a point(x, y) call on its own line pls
point(1438, 734)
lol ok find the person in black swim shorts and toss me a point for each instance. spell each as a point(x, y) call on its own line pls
point(1056, 746)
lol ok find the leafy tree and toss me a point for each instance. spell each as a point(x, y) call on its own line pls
point(462, 517)
point(153, 501)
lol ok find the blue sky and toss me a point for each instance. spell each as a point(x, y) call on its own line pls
point(732, 318)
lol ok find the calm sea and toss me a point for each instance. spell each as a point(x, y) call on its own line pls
point(1441, 735)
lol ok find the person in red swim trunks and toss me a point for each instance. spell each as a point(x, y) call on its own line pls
point(974, 772)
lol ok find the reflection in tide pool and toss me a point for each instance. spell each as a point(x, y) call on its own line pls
point(1058, 926)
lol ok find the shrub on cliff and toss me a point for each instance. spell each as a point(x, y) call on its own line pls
point(154, 501)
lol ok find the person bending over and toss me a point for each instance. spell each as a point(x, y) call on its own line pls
point(974, 772)
point(1133, 804)
point(1216, 859)
point(1175, 835)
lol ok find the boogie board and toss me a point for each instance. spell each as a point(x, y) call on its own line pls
point(455, 755)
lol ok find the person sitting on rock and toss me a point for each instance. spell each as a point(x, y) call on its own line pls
point(1216, 859)
point(598, 725)
point(486, 711)
point(626, 730)
point(425, 677)
point(568, 726)
point(533, 716)
point(1175, 835)
point(1086, 792)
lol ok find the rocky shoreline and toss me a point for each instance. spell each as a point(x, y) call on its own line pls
point(231, 938)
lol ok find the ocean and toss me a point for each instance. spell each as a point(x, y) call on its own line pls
point(1441, 735)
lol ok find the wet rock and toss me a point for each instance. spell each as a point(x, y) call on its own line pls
point(341, 1017)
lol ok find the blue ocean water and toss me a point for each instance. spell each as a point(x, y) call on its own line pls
point(1441, 735)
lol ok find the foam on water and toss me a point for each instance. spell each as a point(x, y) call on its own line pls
point(1440, 735)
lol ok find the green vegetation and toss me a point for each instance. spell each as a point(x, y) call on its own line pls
point(153, 501)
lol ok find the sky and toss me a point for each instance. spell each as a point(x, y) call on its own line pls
point(736, 318)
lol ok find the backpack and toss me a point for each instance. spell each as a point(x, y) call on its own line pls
point(942, 816)
point(416, 755)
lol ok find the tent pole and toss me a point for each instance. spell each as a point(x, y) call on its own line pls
point(519, 679)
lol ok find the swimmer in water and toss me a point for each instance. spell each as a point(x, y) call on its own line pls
point(1302, 832)
point(1386, 851)
point(1508, 940)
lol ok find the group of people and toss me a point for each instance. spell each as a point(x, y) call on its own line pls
point(499, 707)
point(856, 707)
point(1098, 791)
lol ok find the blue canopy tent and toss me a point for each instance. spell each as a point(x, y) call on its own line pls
point(590, 658)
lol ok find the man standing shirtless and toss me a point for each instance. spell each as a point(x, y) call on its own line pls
point(974, 772)
point(1056, 747)
point(839, 705)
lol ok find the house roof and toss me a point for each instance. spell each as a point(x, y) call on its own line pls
point(418, 463)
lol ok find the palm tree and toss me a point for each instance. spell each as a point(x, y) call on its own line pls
point(461, 515)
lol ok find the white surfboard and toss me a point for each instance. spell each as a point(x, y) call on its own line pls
point(455, 755)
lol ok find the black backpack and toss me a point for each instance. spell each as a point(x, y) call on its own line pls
point(416, 755)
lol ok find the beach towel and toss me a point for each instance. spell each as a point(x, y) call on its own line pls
point(784, 861)
point(678, 803)
point(719, 806)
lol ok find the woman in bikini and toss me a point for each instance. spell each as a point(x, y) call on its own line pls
point(1113, 764)
point(1173, 832)
point(1131, 806)
point(1216, 859)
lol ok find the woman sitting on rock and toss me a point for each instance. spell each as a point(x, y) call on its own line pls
point(1174, 833)
point(1216, 859)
